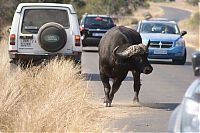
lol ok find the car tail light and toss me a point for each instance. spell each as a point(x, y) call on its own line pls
point(12, 39)
point(77, 40)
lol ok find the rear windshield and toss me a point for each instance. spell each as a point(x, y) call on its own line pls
point(33, 19)
point(166, 28)
point(102, 22)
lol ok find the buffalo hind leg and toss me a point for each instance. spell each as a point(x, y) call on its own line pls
point(136, 86)
point(106, 84)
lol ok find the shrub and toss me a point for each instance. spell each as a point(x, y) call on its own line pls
point(49, 99)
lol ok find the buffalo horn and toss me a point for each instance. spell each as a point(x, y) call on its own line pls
point(131, 50)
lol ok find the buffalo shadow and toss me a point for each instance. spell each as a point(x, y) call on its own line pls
point(163, 106)
point(96, 77)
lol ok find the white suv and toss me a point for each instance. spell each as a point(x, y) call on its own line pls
point(44, 30)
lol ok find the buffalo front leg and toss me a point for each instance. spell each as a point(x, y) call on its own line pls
point(136, 86)
point(116, 84)
point(106, 84)
point(114, 89)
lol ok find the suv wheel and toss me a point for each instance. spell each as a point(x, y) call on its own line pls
point(52, 37)
point(180, 61)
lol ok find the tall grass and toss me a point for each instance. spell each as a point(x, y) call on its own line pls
point(49, 99)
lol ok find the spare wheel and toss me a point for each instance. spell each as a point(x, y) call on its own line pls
point(52, 37)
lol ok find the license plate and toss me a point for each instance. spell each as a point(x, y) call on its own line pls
point(26, 42)
point(97, 34)
point(160, 51)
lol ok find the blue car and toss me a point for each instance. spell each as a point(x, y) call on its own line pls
point(166, 40)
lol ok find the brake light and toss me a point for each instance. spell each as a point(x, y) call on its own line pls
point(77, 40)
point(98, 19)
point(12, 39)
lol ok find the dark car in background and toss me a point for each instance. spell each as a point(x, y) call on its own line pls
point(93, 27)
point(186, 117)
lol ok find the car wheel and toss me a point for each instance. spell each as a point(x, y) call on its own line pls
point(52, 37)
point(180, 61)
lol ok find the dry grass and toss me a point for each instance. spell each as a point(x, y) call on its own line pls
point(192, 37)
point(49, 99)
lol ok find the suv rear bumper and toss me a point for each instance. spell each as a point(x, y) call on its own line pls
point(76, 56)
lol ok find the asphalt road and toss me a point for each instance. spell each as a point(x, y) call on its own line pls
point(160, 93)
point(175, 14)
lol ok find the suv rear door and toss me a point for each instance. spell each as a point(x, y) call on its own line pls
point(32, 18)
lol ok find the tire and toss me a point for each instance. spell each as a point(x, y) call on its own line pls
point(180, 61)
point(52, 37)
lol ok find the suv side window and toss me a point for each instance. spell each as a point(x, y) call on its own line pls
point(33, 19)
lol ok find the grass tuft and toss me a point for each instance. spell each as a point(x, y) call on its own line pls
point(53, 98)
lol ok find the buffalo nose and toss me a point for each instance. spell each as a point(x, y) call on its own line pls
point(148, 70)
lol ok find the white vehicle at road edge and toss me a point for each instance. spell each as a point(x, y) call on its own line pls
point(44, 30)
point(186, 117)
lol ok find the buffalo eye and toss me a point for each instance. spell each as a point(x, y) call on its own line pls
point(138, 59)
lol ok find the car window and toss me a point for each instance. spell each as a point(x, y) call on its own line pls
point(33, 19)
point(168, 28)
point(105, 22)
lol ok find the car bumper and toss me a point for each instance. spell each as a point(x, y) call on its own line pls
point(76, 56)
point(91, 41)
point(161, 53)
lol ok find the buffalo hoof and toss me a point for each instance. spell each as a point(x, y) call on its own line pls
point(136, 104)
point(136, 99)
point(107, 104)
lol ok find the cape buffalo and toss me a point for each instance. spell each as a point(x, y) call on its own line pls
point(121, 50)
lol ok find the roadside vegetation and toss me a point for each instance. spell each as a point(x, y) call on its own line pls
point(53, 98)
point(192, 26)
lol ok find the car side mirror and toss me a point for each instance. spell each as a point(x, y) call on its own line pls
point(183, 33)
point(196, 63)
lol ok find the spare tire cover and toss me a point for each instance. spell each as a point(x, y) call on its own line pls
point(52, 37)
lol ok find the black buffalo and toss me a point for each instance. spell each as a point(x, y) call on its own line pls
point(121, 50)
